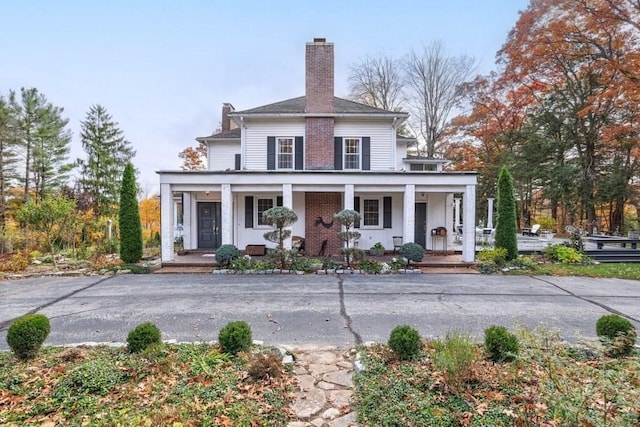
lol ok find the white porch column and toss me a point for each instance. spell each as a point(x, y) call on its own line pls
point(490, 212)
point(409, 217)
point(226, 214)
point(166, 222)
point(287, 202)
point(349, 194)
point(186, 220)
point(469, 231)
point(456, 213)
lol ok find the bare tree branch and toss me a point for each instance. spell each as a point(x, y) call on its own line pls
point(377, 81)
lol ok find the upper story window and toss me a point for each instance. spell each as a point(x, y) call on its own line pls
point(285, 147)
point(352, 153)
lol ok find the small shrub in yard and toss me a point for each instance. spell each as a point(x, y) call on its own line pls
point(563, 254)
point(226, 253)
point(264, 366)
point(142, 336)
point(16, 262)
point(405, 342)
point(617, 333)
point(500, 344)
point(455, 356)
point(497, 256)
point(412, 252)
point(235, 337)
point(26, 335)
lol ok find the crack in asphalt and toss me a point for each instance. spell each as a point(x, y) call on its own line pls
point(5, 325)
point(599, 304)
point(343, 312)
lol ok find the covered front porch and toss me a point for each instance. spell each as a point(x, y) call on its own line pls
point(225, 208)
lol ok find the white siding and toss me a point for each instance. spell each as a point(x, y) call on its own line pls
point(382, 141)
point(256, 134)
point(222, 155)
point(401, 153)
point(370, 236)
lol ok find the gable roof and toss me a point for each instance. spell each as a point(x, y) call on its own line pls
point(225, 135)
point(296, 106)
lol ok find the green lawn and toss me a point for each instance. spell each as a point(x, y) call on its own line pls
point(619, 270)
point(550, 384)
point(169, 385)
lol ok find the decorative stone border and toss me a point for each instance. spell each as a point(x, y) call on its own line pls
point(321, 272)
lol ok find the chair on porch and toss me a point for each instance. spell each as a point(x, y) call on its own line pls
point(533, 231)
point(297, 243)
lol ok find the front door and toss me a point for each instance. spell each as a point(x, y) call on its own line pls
point(420, 231)
point(209, 225)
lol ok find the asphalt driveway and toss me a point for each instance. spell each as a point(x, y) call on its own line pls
point(313, 310)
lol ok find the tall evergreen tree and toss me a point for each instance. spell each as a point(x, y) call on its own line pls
point(129, 219)
point(107, 154)
point(44, 142)
point(506, 225)
point(7, 156)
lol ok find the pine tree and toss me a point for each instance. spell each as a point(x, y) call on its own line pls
point(7, 156)
point(44, 141)
point(506, 225)
point(107, 154)
point(129, 219)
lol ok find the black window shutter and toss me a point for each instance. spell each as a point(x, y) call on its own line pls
point(356, 207)
point(299, 153)
point(386, 212)
point(271, 153)
point(366, 153)
point(238, 162)
point(248, 212)
point(337, 153)
point(279, 201)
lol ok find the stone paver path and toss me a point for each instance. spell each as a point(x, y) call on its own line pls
point(324, 388)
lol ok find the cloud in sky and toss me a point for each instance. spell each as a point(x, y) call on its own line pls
point(163, 69)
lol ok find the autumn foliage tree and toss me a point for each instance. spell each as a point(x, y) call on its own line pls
point(150, 217)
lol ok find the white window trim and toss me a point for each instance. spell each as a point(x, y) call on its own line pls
point(380, 225)
point(293, 152)
point(344, 153)
point(256, 215)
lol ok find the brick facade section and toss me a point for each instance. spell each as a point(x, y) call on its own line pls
point(319, 76)
point(323, 206)
point(318, 151)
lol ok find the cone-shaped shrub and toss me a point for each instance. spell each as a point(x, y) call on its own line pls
point(142, 336)
point(506, 223)
point(26, 335)
point(129, 218)
point(405, 342)
point(235, 337)
point(500, 344)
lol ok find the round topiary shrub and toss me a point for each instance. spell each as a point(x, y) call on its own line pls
point(235, 337)
point(500, 344)
point(226, 253)
point(26, 335)
point(412, 252)
point(142, 336)
point(405, 342)
point(617, 333)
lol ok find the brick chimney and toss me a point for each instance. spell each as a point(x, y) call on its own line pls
point(319, 100)
point(226, 121)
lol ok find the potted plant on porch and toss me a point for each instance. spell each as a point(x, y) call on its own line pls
point(377, 249)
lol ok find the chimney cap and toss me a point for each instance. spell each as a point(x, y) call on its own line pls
point(319, 40)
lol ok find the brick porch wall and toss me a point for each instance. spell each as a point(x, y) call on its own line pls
point(322, 205)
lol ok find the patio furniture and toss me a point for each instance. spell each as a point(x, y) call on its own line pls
point(533, 231)
point(397, 243)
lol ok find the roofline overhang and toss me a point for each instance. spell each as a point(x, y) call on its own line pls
point(239, 118)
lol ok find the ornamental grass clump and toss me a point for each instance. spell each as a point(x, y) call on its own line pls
point(500, 344)
point(26, 335)
point(235, 337)
point(143, 336)
point(405, 342)
point(617, 334)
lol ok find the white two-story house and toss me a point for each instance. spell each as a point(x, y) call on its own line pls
point(316, 154)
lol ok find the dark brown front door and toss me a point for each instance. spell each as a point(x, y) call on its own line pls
point(420, 231)
point(208, 225)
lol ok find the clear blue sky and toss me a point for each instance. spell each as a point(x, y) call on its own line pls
point(164, 68)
